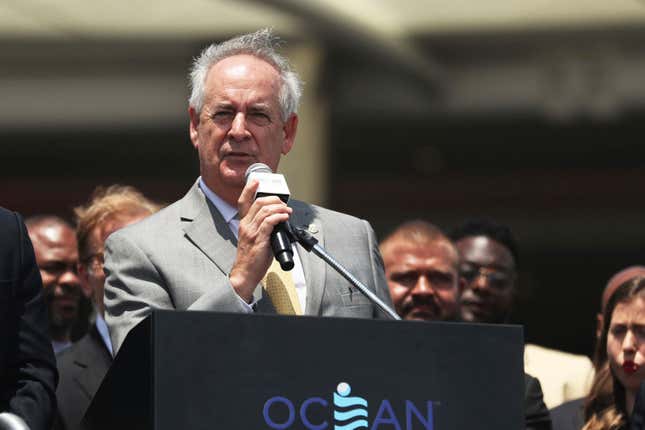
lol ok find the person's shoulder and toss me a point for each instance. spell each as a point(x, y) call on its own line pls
point(11, 233)
point(531, 381)
point(151, 227)
point(324, 213)
point(542, 354)
point(8, 219)
point(568, 415)
point(568, 407)
point(6, 214)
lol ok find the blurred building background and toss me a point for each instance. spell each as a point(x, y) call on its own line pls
point(527, 112)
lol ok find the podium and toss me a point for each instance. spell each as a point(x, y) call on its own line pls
point(217, 371)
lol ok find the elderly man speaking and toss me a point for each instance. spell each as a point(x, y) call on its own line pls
point(210, 250)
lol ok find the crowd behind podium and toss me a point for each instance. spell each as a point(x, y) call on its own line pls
point(66, 287)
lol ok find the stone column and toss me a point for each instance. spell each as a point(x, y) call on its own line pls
point(306, 167)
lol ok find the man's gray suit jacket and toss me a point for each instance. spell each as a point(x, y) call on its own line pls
point(180, 257)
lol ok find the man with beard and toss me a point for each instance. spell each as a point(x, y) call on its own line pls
point(422, 272)
point(489, 258)
point(56, 255)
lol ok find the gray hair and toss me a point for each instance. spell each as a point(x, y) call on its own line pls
point(261, 44)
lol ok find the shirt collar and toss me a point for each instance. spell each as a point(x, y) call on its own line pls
point(228, 212)
point(102, 327)
point(60, 346)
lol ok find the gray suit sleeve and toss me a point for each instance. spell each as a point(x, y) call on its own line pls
point(221, 299)
point(134, 287)
point(378, 271)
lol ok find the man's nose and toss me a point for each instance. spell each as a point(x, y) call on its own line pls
point(69, 278)
point(480, 283)
point(422, 286)
point(238, 129)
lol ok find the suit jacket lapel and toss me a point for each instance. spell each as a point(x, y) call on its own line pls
point(219, 244)
point(207, 230)
point(312, 265)
point(93, 362)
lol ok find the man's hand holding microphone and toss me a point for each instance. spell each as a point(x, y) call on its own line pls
point(262, 207)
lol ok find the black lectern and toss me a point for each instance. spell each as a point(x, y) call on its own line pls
point(203, 370)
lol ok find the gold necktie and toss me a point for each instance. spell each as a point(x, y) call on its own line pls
point(280, 288)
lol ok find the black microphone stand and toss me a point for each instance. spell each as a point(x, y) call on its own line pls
point(310, 243)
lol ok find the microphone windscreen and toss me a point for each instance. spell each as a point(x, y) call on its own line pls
point(256, 168)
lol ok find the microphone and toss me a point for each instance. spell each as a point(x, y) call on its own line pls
point(9, 421)
point(274, 184)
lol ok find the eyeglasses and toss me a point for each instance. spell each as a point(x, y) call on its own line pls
point(497, 279)
point(225, 117)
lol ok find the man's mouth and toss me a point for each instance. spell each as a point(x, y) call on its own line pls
point(477, 310)
point(475, 305)
point(423, 312)
point(66, 302)
point(237, 155)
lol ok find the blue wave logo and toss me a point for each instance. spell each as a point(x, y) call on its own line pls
point(353, 413)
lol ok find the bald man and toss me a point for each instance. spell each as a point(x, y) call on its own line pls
point(54, 241)
point(422, 272)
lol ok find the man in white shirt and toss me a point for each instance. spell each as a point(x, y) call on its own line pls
point(195, 254)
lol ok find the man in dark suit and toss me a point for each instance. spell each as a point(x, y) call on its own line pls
point(536, 414)
point(569, 415)
point(56, 255)
point(83, 366)
point(27, 367)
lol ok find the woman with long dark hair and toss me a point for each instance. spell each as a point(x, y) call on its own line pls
point(620, 359)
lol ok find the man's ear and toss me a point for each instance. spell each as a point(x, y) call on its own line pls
point(289, 129)
point(194, 125)
point(461, 285)
point(83, 277)
point(515, 292)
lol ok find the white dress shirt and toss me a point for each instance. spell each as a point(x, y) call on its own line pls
point(229, 213)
